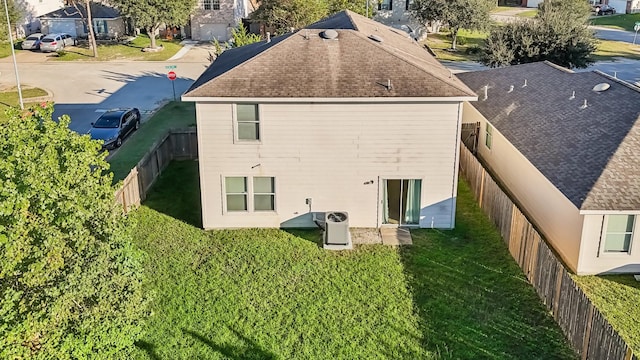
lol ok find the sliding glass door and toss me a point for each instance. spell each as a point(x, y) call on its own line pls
point(401, 201)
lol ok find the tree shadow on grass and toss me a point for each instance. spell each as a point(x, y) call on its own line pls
point(250, 350)
point(177, 192)
point(148, 348)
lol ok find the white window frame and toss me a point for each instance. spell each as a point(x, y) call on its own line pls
point(250, 195)
point(207, 4)
point(215, 4)
point(385, 7)
point(604, 233)
point(236, 138)
point(488, 136)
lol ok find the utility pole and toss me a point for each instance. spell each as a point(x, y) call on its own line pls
point(13, 53)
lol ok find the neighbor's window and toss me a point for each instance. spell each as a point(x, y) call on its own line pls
point(215, 4)
point(206, 4)
point(248, 122)
point(619, 233)
point(385, 5)
point(236, 190)
point(488, 141)
point(408, 4)
point(264, 194)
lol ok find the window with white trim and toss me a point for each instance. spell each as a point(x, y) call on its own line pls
point(206, 4)
point(619, 233)
point(215, 4)
point(408, 4)
point(488, 139)
point(256, 193)
point(247, 122)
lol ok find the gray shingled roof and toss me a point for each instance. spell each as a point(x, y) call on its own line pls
point(592, 154)
point(98, 11)
point(304, 65)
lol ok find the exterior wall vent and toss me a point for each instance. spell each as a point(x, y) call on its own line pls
point(376, 38)
point(329, 34)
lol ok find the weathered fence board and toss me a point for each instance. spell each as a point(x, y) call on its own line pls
point(179, 144)
point(584, 326)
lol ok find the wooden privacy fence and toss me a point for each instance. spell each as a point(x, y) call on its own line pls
point(585, 327)
point(180, 144)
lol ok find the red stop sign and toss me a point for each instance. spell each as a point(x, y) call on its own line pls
point(171, 75)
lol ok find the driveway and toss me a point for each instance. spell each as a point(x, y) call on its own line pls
point(85, 89)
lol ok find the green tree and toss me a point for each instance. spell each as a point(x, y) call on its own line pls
point(70, 279)
point(283, 15)
point(241, 37)
point(151, 14)
point(559, 34)
point(84, 9)
point(455, 14)
point(16, 13)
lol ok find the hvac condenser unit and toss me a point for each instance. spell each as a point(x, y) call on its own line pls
point(336, 228)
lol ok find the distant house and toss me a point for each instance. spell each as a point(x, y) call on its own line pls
point(35, 8)
point(397, 14)
point(346, 114)
point(107, 21)
point(214, 19)
point(621, 6)
point(567, 146)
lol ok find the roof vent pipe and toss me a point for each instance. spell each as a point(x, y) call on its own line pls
point(486, 92)
point(525, 83)
point(510, 89)
point(573, 95)
point(584, 106)
point(268, 37)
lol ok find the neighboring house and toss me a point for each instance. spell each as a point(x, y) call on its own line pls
point(35, 8)
point(567, 146)
point(621, 6)
point(107, 21)
point(214, 19)
point(397, 14)
point(346, 115)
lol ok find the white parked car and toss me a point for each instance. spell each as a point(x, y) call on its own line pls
point(56, 42)
point(32, 42)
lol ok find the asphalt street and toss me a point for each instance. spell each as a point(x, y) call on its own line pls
point(83, 90)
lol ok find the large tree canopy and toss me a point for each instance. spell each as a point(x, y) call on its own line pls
point(456, 14)
point(559, 33)
point(283, 15)
point(151, 14)
point(70, 283)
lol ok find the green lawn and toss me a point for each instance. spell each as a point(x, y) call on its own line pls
point(528, 13)
point(609, 50)
point(174, 115)
point(617, 297)
point(9, 98)
point(275, 294)
point(130, 51)
point(623, 21)
point(467, 41)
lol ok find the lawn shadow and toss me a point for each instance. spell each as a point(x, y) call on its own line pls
point(471, 298)
point(308, 234)
point(148, 348)
point(250, 350)
point(177, 192)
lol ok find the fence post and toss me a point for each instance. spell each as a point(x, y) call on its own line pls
point(484, 173)
point(587, 333)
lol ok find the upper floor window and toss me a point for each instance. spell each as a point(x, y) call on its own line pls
point(619, 233)
point(488, 140)
point(385, 5)
point(211, 4)
point(247, 122)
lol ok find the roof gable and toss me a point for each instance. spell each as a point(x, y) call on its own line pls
point(356, 64)
point(586, 152)
point(98, 11)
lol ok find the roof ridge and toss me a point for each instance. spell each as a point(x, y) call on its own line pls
point(348, 13)
point(557, 67)
point(427, 69)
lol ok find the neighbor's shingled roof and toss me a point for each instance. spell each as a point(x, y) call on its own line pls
point(592, 154)
point(98, 11)
point(304, 65)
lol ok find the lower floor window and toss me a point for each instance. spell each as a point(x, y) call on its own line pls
point(243, 193)
point(619, 233)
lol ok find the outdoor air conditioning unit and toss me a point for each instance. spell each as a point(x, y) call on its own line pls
point(337, 228)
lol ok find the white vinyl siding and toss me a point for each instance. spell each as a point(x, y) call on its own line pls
point(334, 154)
point(619, 233)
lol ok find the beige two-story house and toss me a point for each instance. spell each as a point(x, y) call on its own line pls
point(346, 114)
point(214, 19)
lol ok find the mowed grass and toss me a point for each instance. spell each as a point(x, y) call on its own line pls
point(622, 22)
point(10, 98)
point(130, 51)
point(528, 13)
point(468, 41)
point(618, 298)
point(275, 294)
point(174, 115)
point(609, 50)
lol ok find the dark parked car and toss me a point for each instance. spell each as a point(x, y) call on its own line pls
point(603, 9)
point(114, 125)
point(32, 42)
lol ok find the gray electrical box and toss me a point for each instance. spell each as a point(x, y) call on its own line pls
point(337, 228)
